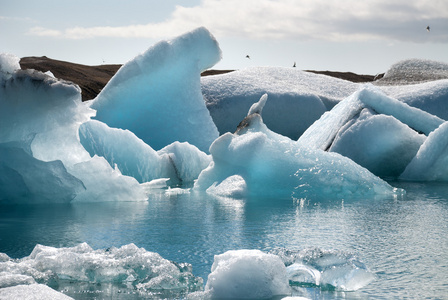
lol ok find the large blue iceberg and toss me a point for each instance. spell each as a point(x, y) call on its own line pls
point(157, 95)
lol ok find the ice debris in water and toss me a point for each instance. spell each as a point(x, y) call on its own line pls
point(325, 268)
point(247, 274)
point(31, 292)
point(140, 270)
point(157, 95)
point(274, 165)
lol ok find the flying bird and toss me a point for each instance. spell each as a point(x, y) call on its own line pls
point(428, 28)
point(294, 65)
point(247, 56)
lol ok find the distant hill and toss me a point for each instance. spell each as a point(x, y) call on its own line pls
point(91, 79)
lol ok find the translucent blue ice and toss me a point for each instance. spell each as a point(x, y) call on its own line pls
point(157, 95)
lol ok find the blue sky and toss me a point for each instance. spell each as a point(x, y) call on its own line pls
point(340, 35)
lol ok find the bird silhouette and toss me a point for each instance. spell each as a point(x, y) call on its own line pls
point(294, 65)
point(247, 56)
point(428, 28)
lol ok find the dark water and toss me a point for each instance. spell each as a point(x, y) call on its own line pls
point(404, 241)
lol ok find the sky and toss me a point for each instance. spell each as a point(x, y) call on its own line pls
point(361, 36)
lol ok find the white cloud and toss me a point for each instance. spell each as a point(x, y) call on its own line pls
point(337, 20)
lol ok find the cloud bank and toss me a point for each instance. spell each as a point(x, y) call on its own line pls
point(331, 20)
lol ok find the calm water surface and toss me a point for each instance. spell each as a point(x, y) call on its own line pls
point(404, 241)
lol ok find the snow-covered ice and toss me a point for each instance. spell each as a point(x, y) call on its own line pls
point(296, 98)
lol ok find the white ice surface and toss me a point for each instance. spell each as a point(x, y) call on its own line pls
point(32, 292)
point(247, 274)
point(296, 98)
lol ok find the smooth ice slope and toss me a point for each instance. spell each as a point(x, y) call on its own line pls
point(43, 160)
point(430, 163)
point(296, 98)
point(180, 162)
point(274, 165)
point(157, 95)
point(247, 274)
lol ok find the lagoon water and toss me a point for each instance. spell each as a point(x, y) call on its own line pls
point(403, 241)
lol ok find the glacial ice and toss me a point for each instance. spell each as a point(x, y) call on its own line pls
point(430, 162)
point(129, 265)
point(274, 165)
point(247, 274)
point(157, 95)
point(374, 130)
point(31, 292)
point(42, 158)
point(296, 98)
point(325, 268)
point(180, 162)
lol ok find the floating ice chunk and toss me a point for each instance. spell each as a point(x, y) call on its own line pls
point(247, 274)
point(232, 187)
point(271, 164)
point(297, 98)
point(429, 164)
point(142, 270)
point(157, 95)
point(42, 115)
point(7, 279)
point(32, 292)
point(380, 143)
point(338, 269)
point(180, 162)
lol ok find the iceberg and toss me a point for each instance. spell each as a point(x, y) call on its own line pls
point(376, 131)
point(157, 95)
point(296, 98)
point(274, 165)
point(42, 157)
